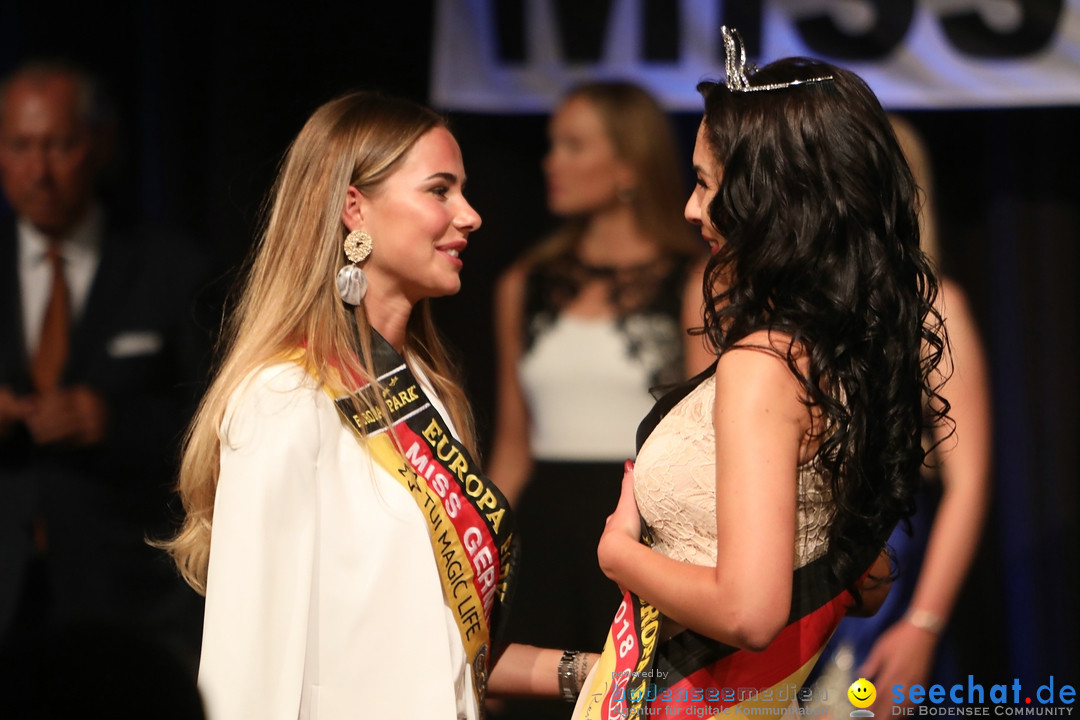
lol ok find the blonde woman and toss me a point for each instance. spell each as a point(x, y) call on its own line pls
point(353, 556)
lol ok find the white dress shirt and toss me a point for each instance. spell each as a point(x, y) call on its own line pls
point(81, 252)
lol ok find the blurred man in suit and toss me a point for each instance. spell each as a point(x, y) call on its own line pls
point(100, 361)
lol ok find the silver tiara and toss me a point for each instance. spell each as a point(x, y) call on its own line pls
point(738, 70)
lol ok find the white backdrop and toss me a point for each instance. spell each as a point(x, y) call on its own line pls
point(916, 54)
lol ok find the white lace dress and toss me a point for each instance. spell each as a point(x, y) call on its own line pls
point(675, 485)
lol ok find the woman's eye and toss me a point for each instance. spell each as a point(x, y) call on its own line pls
point(440, 190)
point(702, 184)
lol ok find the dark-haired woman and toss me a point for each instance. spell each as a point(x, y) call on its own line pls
point(906, 642)
point(768, 486)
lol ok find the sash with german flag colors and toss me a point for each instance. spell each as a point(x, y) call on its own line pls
point(470, 522)
point(691, 675)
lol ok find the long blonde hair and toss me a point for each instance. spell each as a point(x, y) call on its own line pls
point(289, 299)
point(643, 137)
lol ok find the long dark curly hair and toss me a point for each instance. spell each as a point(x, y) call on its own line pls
point(818, 210)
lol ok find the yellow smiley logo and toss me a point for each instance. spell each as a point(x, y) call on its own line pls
point(862, 693)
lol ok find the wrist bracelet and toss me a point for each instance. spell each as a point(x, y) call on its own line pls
point(926, 620)
point(569, 675)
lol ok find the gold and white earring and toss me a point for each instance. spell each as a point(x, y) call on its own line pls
point(351, 282)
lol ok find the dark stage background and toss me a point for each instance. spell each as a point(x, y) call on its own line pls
point(209, 96)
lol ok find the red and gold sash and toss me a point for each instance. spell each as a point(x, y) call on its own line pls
point(470, 522)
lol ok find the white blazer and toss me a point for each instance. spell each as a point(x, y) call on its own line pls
point(323, 597)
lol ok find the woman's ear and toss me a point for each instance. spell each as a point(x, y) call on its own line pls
point(352, 214)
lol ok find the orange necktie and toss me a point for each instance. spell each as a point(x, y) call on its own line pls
point(52, 350)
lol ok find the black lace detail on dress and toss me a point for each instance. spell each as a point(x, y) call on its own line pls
point(647, 300)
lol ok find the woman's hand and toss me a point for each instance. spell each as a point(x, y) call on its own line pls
point(622, 526)
point(904, 655)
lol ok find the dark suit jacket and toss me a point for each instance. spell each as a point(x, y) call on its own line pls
point(139, 344)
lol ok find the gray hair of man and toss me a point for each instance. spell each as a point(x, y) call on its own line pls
point(95, 106)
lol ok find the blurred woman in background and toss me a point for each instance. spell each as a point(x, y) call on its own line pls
point(587, 323)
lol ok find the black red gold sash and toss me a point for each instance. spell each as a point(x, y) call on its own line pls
point(692, 675)
point(471, 524)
